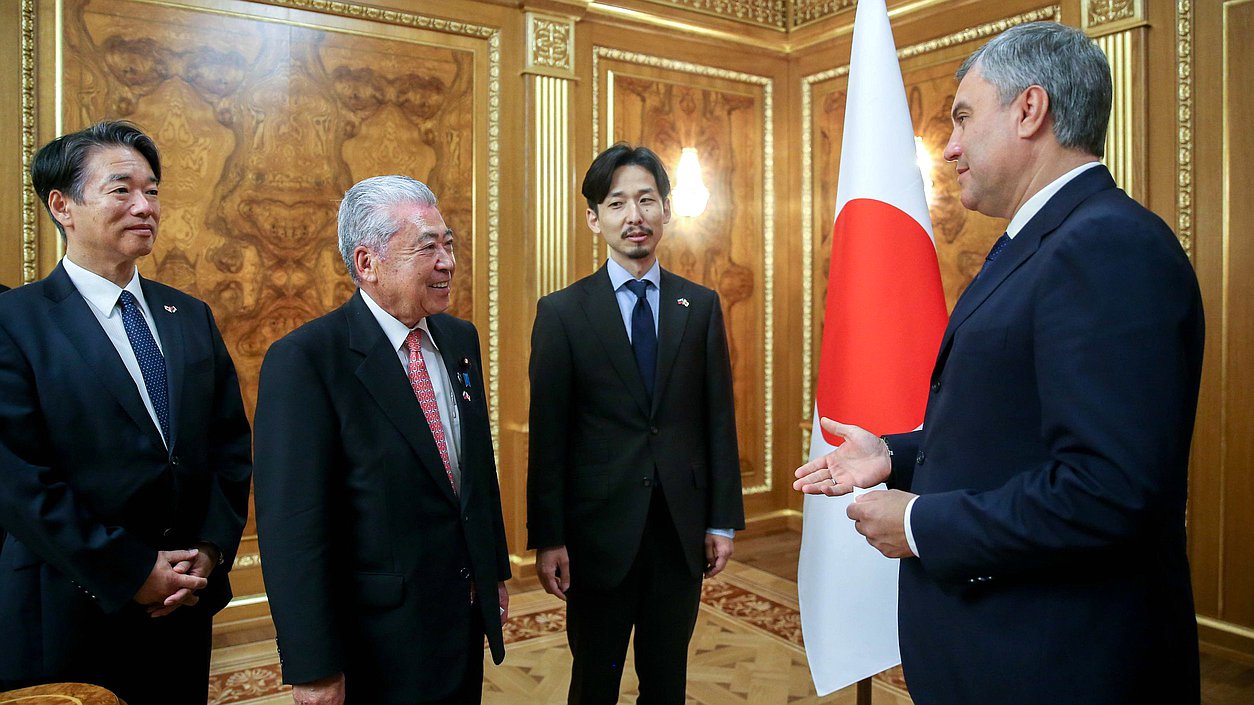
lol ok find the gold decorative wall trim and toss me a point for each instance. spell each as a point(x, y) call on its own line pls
point(1120, 156)
point(765, 13)
point(246, 560)
point(1103, 16)
point(551, 179)
point(551, 45)
point(807, 183)
point(803, 12)
point(1184, 124)
point(30, 204)
point(386, 16)
point(768, 212)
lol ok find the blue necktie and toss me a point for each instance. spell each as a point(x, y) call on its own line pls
point(993, 253)
point(151, 361)
point(643, 335)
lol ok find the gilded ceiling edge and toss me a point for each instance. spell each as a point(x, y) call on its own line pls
point(807, 183)
point(768, 215)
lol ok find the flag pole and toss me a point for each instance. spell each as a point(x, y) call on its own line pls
point(864, 692)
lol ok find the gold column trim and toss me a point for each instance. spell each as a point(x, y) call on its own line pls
point(30, 204)
point(551, 182)
point(768, 213)
point(1184, 124)
point(246, 560)
point(1120, 156)
point(807, 184)
point(550, 45)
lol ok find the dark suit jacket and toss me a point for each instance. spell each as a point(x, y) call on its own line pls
point(367, 553)
point(1052, 469)
point(598, 444)
point(88, 491)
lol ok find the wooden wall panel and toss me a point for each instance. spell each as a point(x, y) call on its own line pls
point(723, 248)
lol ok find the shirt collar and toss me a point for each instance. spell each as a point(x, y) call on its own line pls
point(101, 293)
point(1038, 200)
point(396, 331)
point(620, 276)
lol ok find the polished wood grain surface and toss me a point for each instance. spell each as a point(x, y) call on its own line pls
point(60, 694)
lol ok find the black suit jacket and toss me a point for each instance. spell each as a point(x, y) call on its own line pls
point(598, 443)
point(88, 490)
point(1052, 469)
point(366, 551)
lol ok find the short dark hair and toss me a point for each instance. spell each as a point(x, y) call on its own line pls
point(58, 165)
point(596, 183)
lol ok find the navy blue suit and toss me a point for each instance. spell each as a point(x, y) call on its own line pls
point(1052, 469)
point(89, 492)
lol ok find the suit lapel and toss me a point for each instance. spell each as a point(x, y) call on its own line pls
point(73, 316)
point(169, 325)
point(1021, 248)
point(454, 355)
point(672, 319)
point(381, 374)
point(606, 320)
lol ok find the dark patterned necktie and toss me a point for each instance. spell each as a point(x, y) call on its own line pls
point(643, 335)
point(993, 253)
point(151, 361)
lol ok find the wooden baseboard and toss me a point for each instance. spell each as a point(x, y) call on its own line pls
point(1230, 641)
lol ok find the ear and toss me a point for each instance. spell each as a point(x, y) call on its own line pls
point(593, 221)
point(1033, 111)
point(366, 263)
point(666, 210)
point(59, 206)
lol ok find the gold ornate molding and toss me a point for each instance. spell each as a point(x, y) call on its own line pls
point(1184, 124)
point(804, 12)
point(807, 182)
point(765, 13)
point(551, 45)
point(768, 212)
point(386, 16)
point(1098, 17)
point(246, 560)
point(30, 205)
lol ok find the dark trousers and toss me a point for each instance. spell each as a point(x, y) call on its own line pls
point(659, 597)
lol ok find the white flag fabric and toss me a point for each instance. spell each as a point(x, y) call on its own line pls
point(884, 317)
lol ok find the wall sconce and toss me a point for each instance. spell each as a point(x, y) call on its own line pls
point(924, 160)
point(690, 195)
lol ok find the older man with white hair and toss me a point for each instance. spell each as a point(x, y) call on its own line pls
point(378, 509)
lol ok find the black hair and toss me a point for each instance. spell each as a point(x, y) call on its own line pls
point(58, 165)
point(596, 183)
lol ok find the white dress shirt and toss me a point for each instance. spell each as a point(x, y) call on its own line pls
point(102, 298)
point(627, 298)
point(1026, 212)
point(396, 333)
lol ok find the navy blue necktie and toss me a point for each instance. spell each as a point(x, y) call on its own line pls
point(643, 335)
point(993, 253)
point(151, 361)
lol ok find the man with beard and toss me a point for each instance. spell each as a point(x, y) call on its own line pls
point(633, 491)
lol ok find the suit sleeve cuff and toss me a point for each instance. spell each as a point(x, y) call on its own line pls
point(725, 533)
point(914, 547)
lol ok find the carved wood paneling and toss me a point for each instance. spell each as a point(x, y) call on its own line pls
point(722, 248)
point(262, 127)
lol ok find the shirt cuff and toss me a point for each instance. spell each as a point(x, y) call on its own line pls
point(910, 534)
point(725, 533)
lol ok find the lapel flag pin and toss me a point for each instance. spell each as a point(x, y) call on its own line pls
point(466, 395)
point(171, 309)
point(682, 302)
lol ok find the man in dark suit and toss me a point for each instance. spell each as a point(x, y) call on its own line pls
point(633, 487)
point(378, 509)
point(1039, 512)
point(124, 449)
